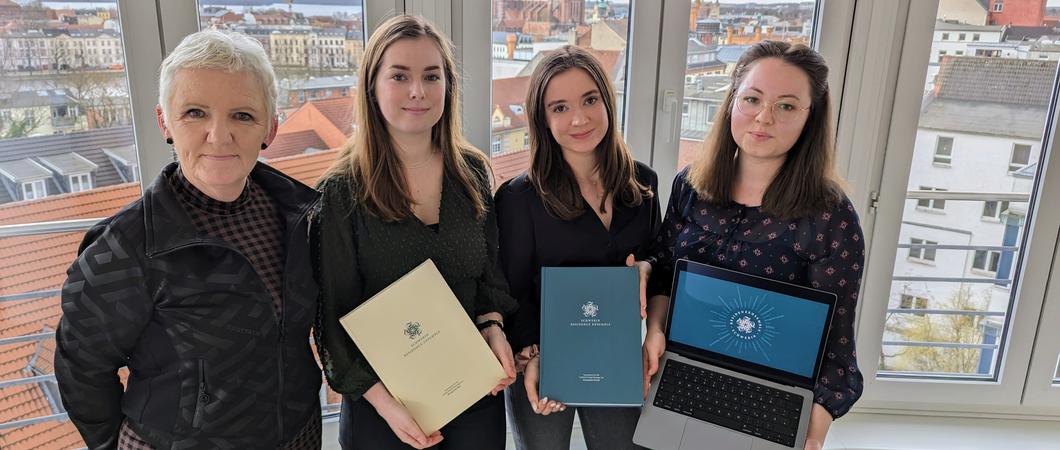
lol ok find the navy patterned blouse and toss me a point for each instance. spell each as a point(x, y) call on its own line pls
point(826, 252)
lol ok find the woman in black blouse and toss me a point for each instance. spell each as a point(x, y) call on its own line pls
point(583, 202)
point(762, 198)
point(407, 187)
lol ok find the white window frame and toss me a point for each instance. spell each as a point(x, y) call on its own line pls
point(920, 254)
point(496, 144)
point(940, 159)
point(991, 261)
point(33, 190)
point(83, 181)
point(933, 206)
point(884, 112)
point(1012, 164)
point(999, 208)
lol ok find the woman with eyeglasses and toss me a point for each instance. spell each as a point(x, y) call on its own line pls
point(762, 198)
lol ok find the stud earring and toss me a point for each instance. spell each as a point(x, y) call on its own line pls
point(169, 141)
point(264, 146)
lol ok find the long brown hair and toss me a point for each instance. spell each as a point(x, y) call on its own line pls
point(806, 183)
point(369, 157)
point(549, 173)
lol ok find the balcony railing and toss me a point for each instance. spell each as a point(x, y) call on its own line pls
point(914, 195)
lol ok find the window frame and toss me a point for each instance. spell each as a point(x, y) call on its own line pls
point(84, 181)
point(1027, 363)
point(35, 187)
point(948, 158)
point(1013, 166)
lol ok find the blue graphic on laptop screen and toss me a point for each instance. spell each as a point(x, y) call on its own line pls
point(755, 325)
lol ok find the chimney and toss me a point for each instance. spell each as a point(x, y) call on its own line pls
point(758, 33)
point(511, 40)
point(728, 35)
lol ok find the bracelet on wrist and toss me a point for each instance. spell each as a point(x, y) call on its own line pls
point(489, 323)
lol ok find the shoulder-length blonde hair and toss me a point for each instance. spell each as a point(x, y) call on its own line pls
point(549, 173)
point(806, 183)
point(370, 160)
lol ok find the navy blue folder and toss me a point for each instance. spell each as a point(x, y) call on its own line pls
point(591, 336)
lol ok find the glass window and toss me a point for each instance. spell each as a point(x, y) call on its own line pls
point(80, 182)
point(913, 302)
point(522, 32)
point(1021, 156)
point(315, 47)
point(719, 33)
point(994, 209)
point(986, 260)
point(65, 128)
point(976, 261)
point(931, 204)
point(945, 36)
point(922, 249)
point(975, 37)
point(961, 36)
point(943, 150)
point(34, 190)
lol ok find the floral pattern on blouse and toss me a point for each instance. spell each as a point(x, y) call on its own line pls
point(826, 252)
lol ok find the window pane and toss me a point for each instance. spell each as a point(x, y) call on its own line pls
point(66, 152)
point(996, 107)
point(522, 33)
point(718, 34)
point(315, 48)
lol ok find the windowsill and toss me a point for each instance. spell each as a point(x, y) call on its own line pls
point(983, 273)
point(865, 431)
point(942, 165)
point(931, 210)
point(926, 262)
point(989, 219)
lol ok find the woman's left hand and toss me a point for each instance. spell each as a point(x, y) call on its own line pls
point(498, 342)
point(820, 421)
point(644, 270)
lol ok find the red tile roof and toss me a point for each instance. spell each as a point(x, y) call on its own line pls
point(294, 143)
point(322, 124)
point(507, 166)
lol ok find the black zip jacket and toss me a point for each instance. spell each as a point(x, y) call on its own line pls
point(212, 365)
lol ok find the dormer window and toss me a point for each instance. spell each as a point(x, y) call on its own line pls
point(34, 190)
point(80, 182)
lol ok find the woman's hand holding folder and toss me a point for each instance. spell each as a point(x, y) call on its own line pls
point(399, 419)
point(542, 406)
point(498, 343)
point(644, 271)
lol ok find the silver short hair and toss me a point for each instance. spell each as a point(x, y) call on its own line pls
point(220, 50)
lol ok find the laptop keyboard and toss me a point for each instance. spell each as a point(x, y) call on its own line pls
point(730, 402)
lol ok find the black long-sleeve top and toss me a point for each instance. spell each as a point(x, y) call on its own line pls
point(825, 251)
point(531, 238)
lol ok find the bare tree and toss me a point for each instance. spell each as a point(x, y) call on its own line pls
point(949, 328)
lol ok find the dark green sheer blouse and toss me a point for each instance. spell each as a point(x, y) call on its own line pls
point(356, 255)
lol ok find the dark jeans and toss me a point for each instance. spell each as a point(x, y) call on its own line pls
point(480, 427)
point(604, 428)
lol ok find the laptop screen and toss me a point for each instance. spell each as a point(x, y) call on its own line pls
point(767, 328)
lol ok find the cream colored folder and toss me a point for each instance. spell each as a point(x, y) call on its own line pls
point(425, 349)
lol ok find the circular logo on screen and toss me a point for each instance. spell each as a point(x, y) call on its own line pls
point(745, 324)
point(741, 325)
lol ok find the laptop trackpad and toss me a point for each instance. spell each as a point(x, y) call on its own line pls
point(699, 435)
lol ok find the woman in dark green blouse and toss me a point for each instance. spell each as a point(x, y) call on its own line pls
point(407, 187)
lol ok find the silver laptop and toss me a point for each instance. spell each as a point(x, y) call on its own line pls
point(742, 354)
